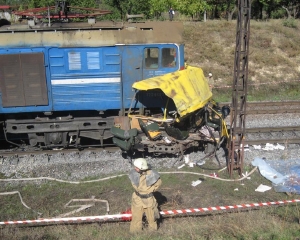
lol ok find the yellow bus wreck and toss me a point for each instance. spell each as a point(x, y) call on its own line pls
point(170, 114)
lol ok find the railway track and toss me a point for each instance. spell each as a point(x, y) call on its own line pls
point(282, 135)
point(254, 136)
point(270, 107)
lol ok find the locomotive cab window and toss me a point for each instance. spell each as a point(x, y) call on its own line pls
point(151, 57)
point(168, 57)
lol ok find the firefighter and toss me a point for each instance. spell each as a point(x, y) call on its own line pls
point(145, 181)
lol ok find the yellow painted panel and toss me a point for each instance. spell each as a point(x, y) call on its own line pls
point(188, 88)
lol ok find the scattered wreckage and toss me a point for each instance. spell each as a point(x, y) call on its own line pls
point(179, 114)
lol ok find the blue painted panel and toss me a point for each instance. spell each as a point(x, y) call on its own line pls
point(98, 71)
point(181, 56)
point(85, 78)
point(100, 96)
point(66, 62)
point(131, 71)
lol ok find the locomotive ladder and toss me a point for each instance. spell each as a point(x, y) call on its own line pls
point(239, 89)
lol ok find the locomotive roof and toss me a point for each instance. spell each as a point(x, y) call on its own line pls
point(86, 34)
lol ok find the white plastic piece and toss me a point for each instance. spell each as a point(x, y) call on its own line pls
point(280, 147)
point(271, 147)
point(167, 140)
point(195, 183)
point(186, 159)
point(245, 175)
point(262, 188)
point(200, 163)
point(181, 166)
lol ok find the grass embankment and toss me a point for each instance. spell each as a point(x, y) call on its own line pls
point(274, 57)
point(175, 193)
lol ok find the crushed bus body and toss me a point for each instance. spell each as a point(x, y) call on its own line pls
point(186, 116)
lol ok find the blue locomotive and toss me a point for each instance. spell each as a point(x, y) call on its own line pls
point(68, 81)
point(68, 84)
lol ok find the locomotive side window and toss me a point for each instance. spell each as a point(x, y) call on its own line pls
point(93, 61)
point(74, 60)
point(151, 57)
point(168, 57)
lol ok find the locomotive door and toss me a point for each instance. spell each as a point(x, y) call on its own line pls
point(131, 72)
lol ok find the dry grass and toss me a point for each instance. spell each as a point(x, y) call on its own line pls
point(175, 193)
point(274, 56)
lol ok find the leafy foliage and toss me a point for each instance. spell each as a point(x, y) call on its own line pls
point(261, 9)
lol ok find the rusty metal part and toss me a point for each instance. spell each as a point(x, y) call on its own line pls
point(239, 89)
point(177, 148)
point(61, 10)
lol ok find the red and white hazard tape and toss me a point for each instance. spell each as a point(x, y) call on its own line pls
point(128, 215)
point(69, 219)
point(218, 208)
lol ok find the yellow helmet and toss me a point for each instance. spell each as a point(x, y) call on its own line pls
point(141, 163)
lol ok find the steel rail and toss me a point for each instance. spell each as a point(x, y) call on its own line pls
point(272, 111)
point(94, 149)
point(273, 129)
point(267, 103)
point(278, 140)
point(270, 107)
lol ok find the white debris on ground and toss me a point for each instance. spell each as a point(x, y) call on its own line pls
point(262, 188)
point(270, 147)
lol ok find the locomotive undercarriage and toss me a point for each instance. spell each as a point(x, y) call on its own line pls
point(61, 132)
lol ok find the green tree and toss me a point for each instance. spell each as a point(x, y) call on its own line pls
point(157, 7)
point(193, 7)
point(292, 7)
point(130, 7)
